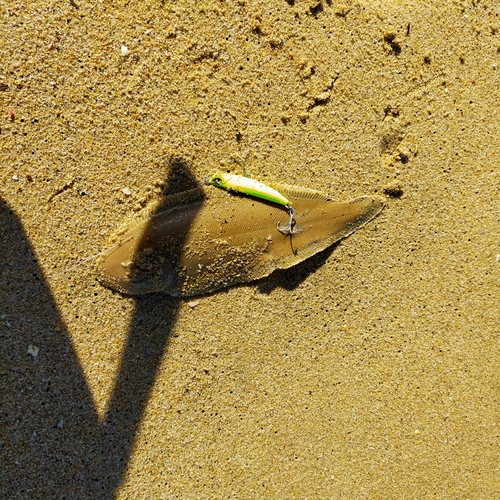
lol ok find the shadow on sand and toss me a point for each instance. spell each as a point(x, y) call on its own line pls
point(53, 444)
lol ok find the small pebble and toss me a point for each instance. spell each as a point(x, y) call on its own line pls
point(193, 303)
point(394, 189)
point(323, 97)
point(126, 191)
point(33, 350)
point(15, 178)
point(124, 51)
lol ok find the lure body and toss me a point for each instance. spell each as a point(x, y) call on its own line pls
point(202, 240)
point(241, 184)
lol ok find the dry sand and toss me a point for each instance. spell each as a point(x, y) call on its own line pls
point(370, 370)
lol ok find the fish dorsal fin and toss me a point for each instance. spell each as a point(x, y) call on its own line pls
point(177, 199)
point(171, 201)
point(300, 192)
point(157, 207)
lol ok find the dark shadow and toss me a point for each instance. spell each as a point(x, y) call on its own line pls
point(53, 445)
point(292, 277)
point(154, 317)
point(51, 439)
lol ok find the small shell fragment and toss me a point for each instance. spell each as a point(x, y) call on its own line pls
point(33, 350)
point(126, 191)
point(124, 51)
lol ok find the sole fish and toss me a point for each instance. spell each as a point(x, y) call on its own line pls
point(206, 239)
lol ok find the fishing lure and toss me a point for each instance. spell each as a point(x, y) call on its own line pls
point(242, 184)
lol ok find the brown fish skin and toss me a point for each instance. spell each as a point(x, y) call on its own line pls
point(207, 239)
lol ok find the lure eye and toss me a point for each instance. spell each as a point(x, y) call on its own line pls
point(217, 181)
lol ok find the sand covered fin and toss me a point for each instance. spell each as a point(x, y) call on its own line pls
point(175, 201)
point(164, 204)
point(300, 192)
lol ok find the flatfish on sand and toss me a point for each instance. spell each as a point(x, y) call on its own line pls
point(205, 239)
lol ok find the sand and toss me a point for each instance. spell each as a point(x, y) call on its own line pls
point(368, 371)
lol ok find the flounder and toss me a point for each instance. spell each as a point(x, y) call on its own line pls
point(205, 239)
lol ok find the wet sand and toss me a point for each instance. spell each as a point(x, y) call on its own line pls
point(369, 370)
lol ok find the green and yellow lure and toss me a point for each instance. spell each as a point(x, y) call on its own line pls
point(245, 185)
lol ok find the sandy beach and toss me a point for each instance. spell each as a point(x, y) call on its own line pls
point(368, 371)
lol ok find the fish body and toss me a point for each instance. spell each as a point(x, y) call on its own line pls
point(206, 239)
